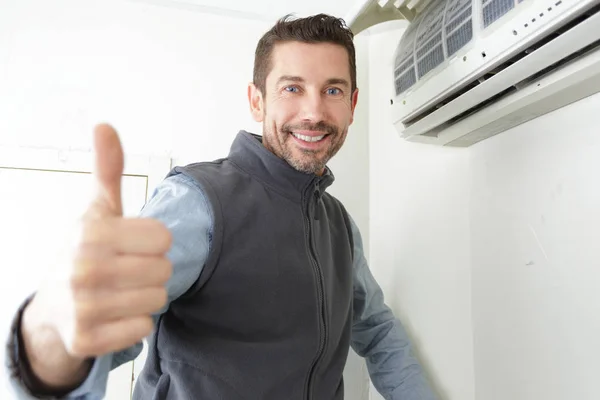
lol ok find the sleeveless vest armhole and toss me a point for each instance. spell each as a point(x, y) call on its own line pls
point(348, 224)
point(217, 236)
point(217, 227)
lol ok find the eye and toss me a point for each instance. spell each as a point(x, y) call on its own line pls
point(334, 91)
point(291, 89)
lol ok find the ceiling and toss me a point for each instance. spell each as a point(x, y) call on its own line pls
point(266, 10)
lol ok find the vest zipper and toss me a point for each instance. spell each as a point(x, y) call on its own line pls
point(317, 208)
point(320, 297)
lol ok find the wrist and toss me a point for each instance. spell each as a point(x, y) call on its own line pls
point(39, 359)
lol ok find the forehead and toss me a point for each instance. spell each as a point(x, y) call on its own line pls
point(309, 61)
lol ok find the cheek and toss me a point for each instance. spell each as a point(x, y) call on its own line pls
point(341, 114)
point(281, 112)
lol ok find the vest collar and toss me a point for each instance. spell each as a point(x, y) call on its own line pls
point(249, 153)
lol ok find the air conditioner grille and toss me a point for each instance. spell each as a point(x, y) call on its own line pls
point(404, 73)
point(408, 64)
point(493, 10)
point(431, 23)
point(459, 25)
point(438, 33)
point(407, 80)
point(455, 7)
point(455, 23)
point(430, 61)
point(406, 47)
point(459, 38)
point(430, 45)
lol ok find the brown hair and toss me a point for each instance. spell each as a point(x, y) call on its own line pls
point(320, 28)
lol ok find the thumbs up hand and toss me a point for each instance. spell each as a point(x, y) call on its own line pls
point(119, 266)
point(116, 277)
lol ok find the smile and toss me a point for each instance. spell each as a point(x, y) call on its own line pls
point(308, 138)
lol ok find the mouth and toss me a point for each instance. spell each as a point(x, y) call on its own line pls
point(309, 138)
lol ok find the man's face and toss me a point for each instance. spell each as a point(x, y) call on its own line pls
point(307, 106)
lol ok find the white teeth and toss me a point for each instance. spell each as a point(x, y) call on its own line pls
point(308, 138)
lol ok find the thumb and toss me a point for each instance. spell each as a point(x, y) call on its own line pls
point(108, 170)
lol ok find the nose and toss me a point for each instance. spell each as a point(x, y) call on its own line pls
point(313, 107)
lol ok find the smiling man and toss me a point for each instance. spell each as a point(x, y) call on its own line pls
point(247, 277)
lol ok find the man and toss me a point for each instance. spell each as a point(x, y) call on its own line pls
point(247, 276)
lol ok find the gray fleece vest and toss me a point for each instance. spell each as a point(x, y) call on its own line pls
point(270, 316)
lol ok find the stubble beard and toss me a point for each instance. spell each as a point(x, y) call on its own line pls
point(310, 161)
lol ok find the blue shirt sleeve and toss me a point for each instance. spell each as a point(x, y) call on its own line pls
point(380, 338)
point(180, 204)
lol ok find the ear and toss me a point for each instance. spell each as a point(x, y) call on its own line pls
point(353, 104)
point(255, 98)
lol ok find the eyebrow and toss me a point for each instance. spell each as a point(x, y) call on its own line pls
point(330, 81)
point(338, 81)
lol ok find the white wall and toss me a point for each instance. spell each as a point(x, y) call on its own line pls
point(172, 81)
point(535, 225)
point(489, 253)
point(420, 253)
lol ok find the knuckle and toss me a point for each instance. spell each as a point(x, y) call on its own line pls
point(86, 274)
point(91, 266)
point(84, 313)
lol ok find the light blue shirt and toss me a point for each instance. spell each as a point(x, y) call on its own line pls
point(377, 335)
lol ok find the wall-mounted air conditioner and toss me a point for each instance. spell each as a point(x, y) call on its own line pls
point(466, 70)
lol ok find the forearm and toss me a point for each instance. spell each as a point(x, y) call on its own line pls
point(392, 366)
